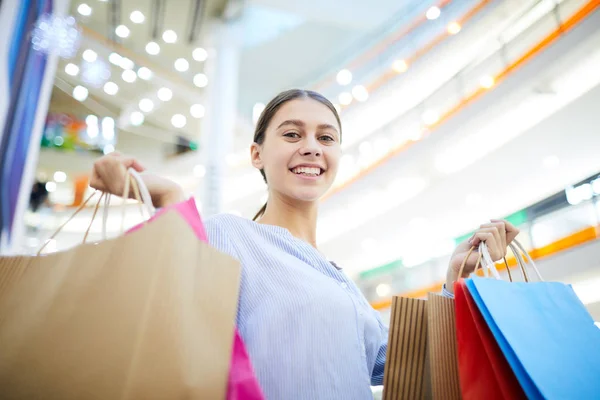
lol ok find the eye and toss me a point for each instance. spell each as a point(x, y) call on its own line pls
point(327, 138)
point(293, 135)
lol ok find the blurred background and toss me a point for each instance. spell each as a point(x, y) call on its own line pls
point(454, 112)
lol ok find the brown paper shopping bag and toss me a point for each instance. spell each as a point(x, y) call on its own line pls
point(442, 347)
point(149, 315)
point(421, 359)
point(405, 375)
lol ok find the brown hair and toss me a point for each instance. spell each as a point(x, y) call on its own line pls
point(271, 109)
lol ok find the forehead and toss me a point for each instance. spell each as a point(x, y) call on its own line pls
point(309, 111)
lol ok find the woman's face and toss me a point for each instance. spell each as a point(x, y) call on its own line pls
point(301, 150)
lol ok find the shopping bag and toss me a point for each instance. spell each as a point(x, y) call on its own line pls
point(130, 318)
point(242, 383)
point(484, 372)
point(405, 374)
point(441, 347)
point(546, 335)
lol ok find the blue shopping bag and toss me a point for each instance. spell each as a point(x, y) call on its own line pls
point(546, 334)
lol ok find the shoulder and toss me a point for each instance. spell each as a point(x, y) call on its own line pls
point(225, 222)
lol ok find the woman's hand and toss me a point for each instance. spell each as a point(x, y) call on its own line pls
point(497, 235)
point(108, 176)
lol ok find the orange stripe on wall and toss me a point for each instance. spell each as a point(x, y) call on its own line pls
point(569, 24)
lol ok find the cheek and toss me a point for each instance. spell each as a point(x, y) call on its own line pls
point(276, 162)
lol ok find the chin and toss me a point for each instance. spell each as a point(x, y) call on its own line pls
point(308, 194)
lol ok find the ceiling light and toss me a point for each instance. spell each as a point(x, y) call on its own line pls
point(111, 88)
point(454, 28)
point(109, 148)
point(169, 36)
point(200, 80)
point(91, 120)
point(80, 93)
point(199, 54)
point(486, 81)
point(129, 76)
point(400, 66)
point(551, 162)
point(430, 117)
point(144, 73)
point(360, 93)
point(136, 118)
point(165, 94)
point(122, 31)
point(383, 289)
point(197, 111)
point(108, 124)
point(152, 48)
point(126, 63)
point(84, 10)
point(182, 65)
point(60, 176)
point(146, 105)
point(137, 17)
point(345, 98)
point(115, 58)
point(178, 120)
point(199, 171)
point(344, 77)
point(71, 69)
point(433, 13)
point(90, 55)
point(50, 187)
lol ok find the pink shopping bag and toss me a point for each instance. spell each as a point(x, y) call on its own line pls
point(242, 383)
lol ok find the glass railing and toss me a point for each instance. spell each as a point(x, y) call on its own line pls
point(495, 60)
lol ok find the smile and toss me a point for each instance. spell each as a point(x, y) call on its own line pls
point(307, 171)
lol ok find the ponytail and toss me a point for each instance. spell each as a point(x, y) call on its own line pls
point(260, 212)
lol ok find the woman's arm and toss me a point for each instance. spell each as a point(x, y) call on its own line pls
point(108, 175)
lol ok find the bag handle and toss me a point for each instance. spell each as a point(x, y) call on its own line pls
point(141, 194)
point(518, 249)
point(135, 183)
point(484, 256)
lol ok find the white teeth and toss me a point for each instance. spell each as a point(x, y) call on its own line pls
point(307, 171)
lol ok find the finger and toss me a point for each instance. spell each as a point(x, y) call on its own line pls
point(499, 226)
point(511, 231)
point(492, 244)
point(133, 163)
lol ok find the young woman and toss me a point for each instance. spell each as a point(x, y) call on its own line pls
point(309, 331)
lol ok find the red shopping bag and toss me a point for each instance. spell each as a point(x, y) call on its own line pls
point(242, 383)
point(483, 370)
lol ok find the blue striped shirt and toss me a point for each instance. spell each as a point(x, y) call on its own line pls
point(310, 332)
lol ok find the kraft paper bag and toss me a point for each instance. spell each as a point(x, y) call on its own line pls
point(442, 347)
point(406, 375)
point(149, 315)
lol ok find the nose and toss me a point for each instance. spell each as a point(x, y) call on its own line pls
point(310, 148)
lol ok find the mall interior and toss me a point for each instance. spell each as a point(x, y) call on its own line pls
point(454, 112)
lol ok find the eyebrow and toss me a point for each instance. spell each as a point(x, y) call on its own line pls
point(301, 124)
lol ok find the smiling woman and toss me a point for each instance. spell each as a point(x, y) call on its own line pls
point(297, 129)
point(309, 330)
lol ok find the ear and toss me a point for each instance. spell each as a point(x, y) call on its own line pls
point(255, 156)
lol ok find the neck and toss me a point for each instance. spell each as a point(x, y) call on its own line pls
point(300, 218)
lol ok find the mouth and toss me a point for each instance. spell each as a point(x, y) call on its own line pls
point(310, 172)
